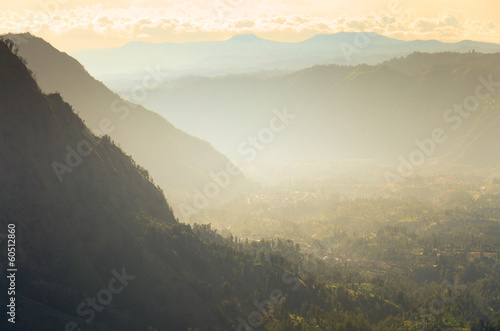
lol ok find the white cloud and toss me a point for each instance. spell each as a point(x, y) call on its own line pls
point(159, 24)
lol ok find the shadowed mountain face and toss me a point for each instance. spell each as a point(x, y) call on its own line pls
point(98, 247)
point(178, 162)
point(348, 112)
point(245, 54)
point(105, 231)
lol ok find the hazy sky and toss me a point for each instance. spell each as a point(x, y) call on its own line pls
point(79, 24)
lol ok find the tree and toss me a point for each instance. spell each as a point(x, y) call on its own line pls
point(11, 45)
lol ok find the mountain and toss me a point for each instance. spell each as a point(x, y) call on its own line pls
point(366, 112)
point(321, 40)
point(102, 249)
point(181, 164)
point(249, 54)
point(248, 38)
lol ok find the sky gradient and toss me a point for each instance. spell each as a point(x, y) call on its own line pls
point(81, 24)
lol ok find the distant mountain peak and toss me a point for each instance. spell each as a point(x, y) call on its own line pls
point(349, 37)
point(246, 37)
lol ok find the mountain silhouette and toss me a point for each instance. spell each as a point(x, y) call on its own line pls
point(181, 164)
point(250, 54)
point(368, 112)
point(102, 249)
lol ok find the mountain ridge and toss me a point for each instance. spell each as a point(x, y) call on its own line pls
point(107, 223)
point(251, 37)
point(250, 54)
point(373, 112)
point(178, 162)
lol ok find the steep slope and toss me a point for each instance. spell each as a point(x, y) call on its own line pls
point(179, 163)
point(104, 231)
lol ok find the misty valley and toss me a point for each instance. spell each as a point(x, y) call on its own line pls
point(250, 184)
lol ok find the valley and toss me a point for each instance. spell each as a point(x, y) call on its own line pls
point(246, 183)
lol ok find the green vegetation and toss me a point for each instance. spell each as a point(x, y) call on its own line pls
point(396, 261)
point(423, 254)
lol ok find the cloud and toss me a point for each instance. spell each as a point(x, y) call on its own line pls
point(158, 24)
point(244, 24)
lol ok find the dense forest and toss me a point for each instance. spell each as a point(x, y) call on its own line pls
point(100, 217)
point(393, 261)
point(340, 255)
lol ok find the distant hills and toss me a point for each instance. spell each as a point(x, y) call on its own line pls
point(102, 249)
point(244, 54)
point(181, 164)
point(366, 112)
point(372, 113)
point(98, 246)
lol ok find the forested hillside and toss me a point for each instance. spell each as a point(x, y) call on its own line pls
point(99, 248)
point(178, 162)
point(102, 217)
